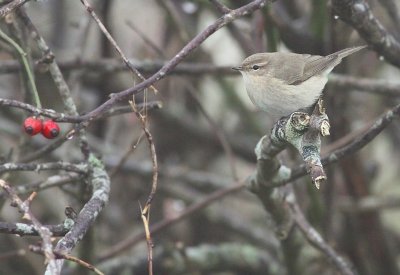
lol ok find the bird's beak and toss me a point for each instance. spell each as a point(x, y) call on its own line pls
point(239, 68)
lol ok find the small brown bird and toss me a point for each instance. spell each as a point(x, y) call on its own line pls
point(282, 83)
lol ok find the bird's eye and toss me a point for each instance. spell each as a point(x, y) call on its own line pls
point(256, 67)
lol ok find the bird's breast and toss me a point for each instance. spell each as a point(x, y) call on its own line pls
point(275, 97)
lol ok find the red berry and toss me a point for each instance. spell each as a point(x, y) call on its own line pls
point(50, 129)
point(32, 125)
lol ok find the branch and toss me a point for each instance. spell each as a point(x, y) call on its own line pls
point(24, 229)
point(61, 117)
point(10, 7)
point(100, 184)
point(53, 181)
point(316, 239)
point(71, 258)
point(44, 232)
point(358, 14)
point(112, 65)
point(66, 166)
point(303, 133)
point(357, 144)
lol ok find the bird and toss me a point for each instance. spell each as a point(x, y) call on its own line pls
point(282, 83)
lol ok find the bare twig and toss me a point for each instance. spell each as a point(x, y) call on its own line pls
point(27, 69)
point(49, 147)
point(135, 142)
point(158, 227)
point(100, 184)
point(10, 7)
point(91, 11)
point(221, 7)
point(78, 168)
point(61, 117)
point(23, 229)
point(53, 181)
point(145, 214)
point(70, 258)
point(44, 232)
point(112, 65)
point(145, 39)
point(146, 210)
point(316, 239)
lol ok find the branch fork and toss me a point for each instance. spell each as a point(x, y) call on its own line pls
point(303, 132)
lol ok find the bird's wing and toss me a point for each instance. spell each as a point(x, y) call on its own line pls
point(288, 67)
point(315, 65)
point(294, 69)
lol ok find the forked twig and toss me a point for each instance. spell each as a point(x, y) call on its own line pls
point(44, 232)
point(145, 212)
point(68, 257)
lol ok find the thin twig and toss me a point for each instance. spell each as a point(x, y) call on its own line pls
point(27, 68)
point(61, 117)
point(44, 232)
point(145, 212)
point(145, 39)
point(135, 142)
point(113, 65)
point(316, 239)
point(153, 155)
point(70, 258)
point(146, 218)
point(91, 11)
point(221, 7)
point(160, 226)
point(53, 181)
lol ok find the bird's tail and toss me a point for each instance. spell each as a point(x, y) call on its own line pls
point(345, 52)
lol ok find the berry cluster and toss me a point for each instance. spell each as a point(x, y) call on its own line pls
point(48, 128)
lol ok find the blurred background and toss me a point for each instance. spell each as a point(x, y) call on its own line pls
point(203, 102)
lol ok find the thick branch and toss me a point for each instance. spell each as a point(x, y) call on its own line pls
point(100, 184)
point(358, 14)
